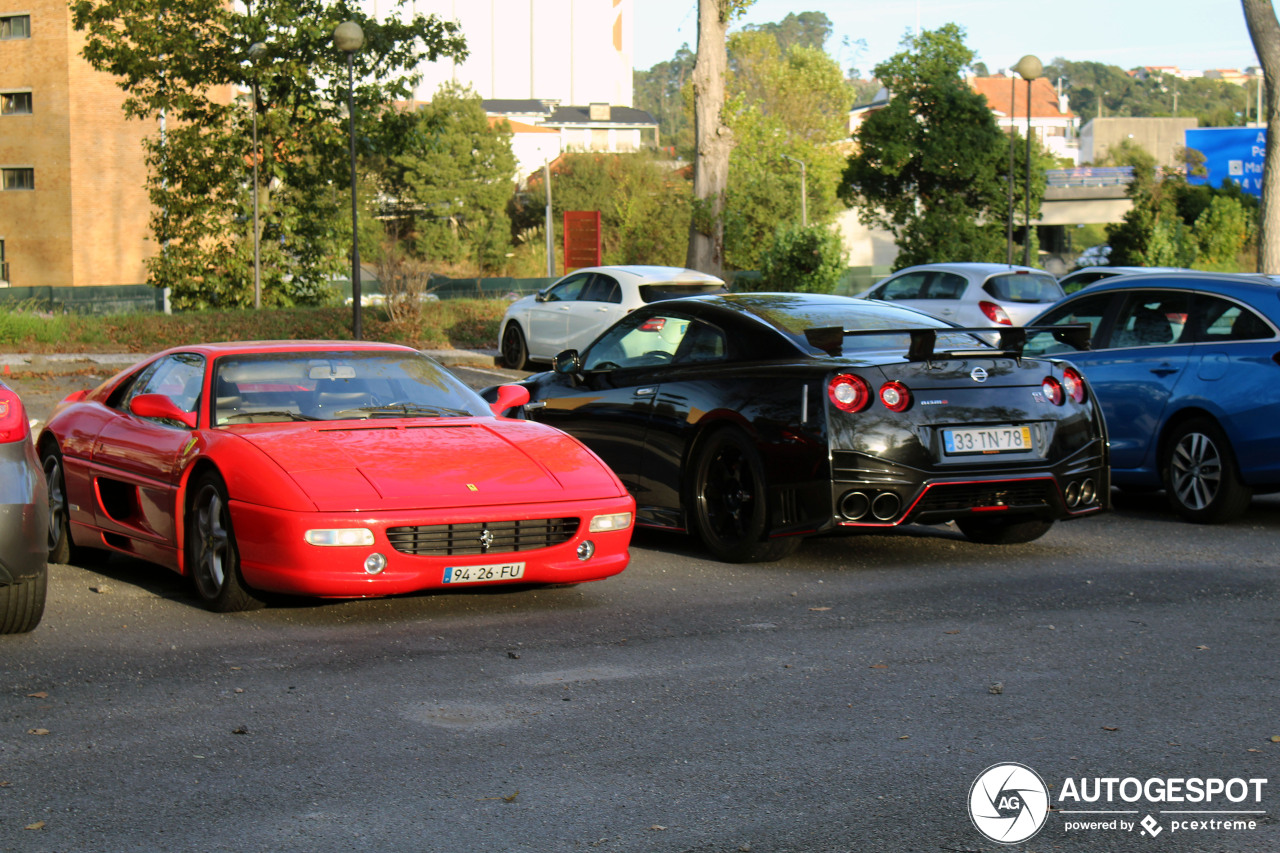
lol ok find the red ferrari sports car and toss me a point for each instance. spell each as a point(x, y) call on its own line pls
point(331, 469)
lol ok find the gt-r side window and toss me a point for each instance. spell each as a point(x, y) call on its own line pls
point(178, 377)
point(646, 340)
point(1087, 309)
point(1151, 319)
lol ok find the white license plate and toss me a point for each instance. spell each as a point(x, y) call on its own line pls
point(996, 439)
point(481, 574)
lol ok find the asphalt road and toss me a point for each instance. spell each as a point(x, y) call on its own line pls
point(845, 699)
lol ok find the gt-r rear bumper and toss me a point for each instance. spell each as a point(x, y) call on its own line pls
point(276, 557)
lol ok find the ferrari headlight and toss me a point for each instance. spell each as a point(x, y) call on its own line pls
point(616, 521)
point(340, 536)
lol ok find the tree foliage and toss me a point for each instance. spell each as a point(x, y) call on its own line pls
point(644, 205)
point(785, 108)
point(932, 166)
point(806, 29)
point(451, 179)
point(803, 259)
point(179, 61)
point(665, 92)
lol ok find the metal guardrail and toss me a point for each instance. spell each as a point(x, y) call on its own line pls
point(1090, 176)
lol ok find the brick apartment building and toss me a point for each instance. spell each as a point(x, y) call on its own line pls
point(73, 207)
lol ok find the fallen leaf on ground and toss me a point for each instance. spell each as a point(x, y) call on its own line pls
point(37, 825)
point(1111, 728)
point(37, 731)
point(818, 609)
point(39, 695)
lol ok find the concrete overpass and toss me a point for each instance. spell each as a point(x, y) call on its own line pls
point(1086, 195)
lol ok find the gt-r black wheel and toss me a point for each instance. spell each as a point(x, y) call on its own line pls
point(1200, 476)
point(22, 603)
point(515, 352)
point(61, 548)
point(1006, 531)
point(212, 556)
point(730, 502)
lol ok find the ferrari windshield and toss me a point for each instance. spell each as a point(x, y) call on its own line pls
point(335, 385)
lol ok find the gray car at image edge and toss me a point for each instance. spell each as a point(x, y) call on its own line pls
point(24, 521)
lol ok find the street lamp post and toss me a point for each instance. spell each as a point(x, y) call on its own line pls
point(804, 195)
point(348, 38)
point(256, 51)
point(1028, 68)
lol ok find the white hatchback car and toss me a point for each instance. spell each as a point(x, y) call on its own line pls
point(572, 312)
point(971, 294)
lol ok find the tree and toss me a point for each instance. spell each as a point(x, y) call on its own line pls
point(807, 29)
point(712, 137)
point(644, 205)
point(452, 179)
point(1264, 29)
point(661, 91)
point(179, 60)
point(785, 108)
point(932, 165)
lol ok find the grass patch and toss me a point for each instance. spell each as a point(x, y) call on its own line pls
point(449, 323)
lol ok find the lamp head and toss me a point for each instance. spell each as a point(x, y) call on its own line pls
point(348, 37)
point(1029, 67)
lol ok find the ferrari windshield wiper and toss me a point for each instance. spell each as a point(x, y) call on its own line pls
point(403, 410)
point(244, 416)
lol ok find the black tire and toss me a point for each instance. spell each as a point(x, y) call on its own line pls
point(1005, 531)
point(1200, 476)
point(61, 548)
point(22, 603)
point(515, 352)
point(730, 502)
point(212, 557)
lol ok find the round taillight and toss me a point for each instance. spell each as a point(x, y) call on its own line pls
point(995, 313)
point(895, 396)
point(1052, 389)
point(849, 393)
point(1074, 383)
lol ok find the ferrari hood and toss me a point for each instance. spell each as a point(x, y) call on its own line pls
point(412, 465)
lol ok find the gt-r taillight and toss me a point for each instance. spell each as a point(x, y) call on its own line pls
point(849, 393)
point(895, 396)
point(995, 313)
point(1073, 382)
point(1052, 389)
point(13, 418)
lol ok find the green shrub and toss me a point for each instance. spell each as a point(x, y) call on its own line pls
point(803, 260)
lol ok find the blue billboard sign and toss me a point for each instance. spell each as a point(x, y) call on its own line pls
point(1230, 154)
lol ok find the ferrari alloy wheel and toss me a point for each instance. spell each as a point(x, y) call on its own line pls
point(515, 352)
point(730, 502)
point(1199, 473)
point(61, 548)
point(212, 557)
point(1005, 531)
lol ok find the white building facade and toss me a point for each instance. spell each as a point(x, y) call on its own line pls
point(570, 51)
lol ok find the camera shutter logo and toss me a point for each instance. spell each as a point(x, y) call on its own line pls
point(1008, 803)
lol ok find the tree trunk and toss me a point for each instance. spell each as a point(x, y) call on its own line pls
point(713, 139)
point(1264, 29)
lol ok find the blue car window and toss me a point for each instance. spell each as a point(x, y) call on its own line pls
point(1087, 309)
point(1218, 319)
point(1152, 319)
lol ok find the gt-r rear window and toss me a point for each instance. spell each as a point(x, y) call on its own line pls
point(337, 385)
point(1024, 287)
point(678, 290)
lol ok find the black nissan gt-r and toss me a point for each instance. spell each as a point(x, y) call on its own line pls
point(756, 420)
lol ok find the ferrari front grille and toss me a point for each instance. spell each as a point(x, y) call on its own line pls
point(482, 537)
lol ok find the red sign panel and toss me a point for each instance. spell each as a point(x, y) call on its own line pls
point(581, 239)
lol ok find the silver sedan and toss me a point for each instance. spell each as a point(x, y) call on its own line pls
point(24, 521)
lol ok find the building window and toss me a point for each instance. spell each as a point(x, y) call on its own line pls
point(15, 27)
point(15, 103)
point(17, 179)
point(4, 265)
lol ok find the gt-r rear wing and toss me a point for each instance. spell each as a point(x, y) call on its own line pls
point(923, 347)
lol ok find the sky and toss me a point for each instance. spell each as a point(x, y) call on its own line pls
point(1129, 33)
